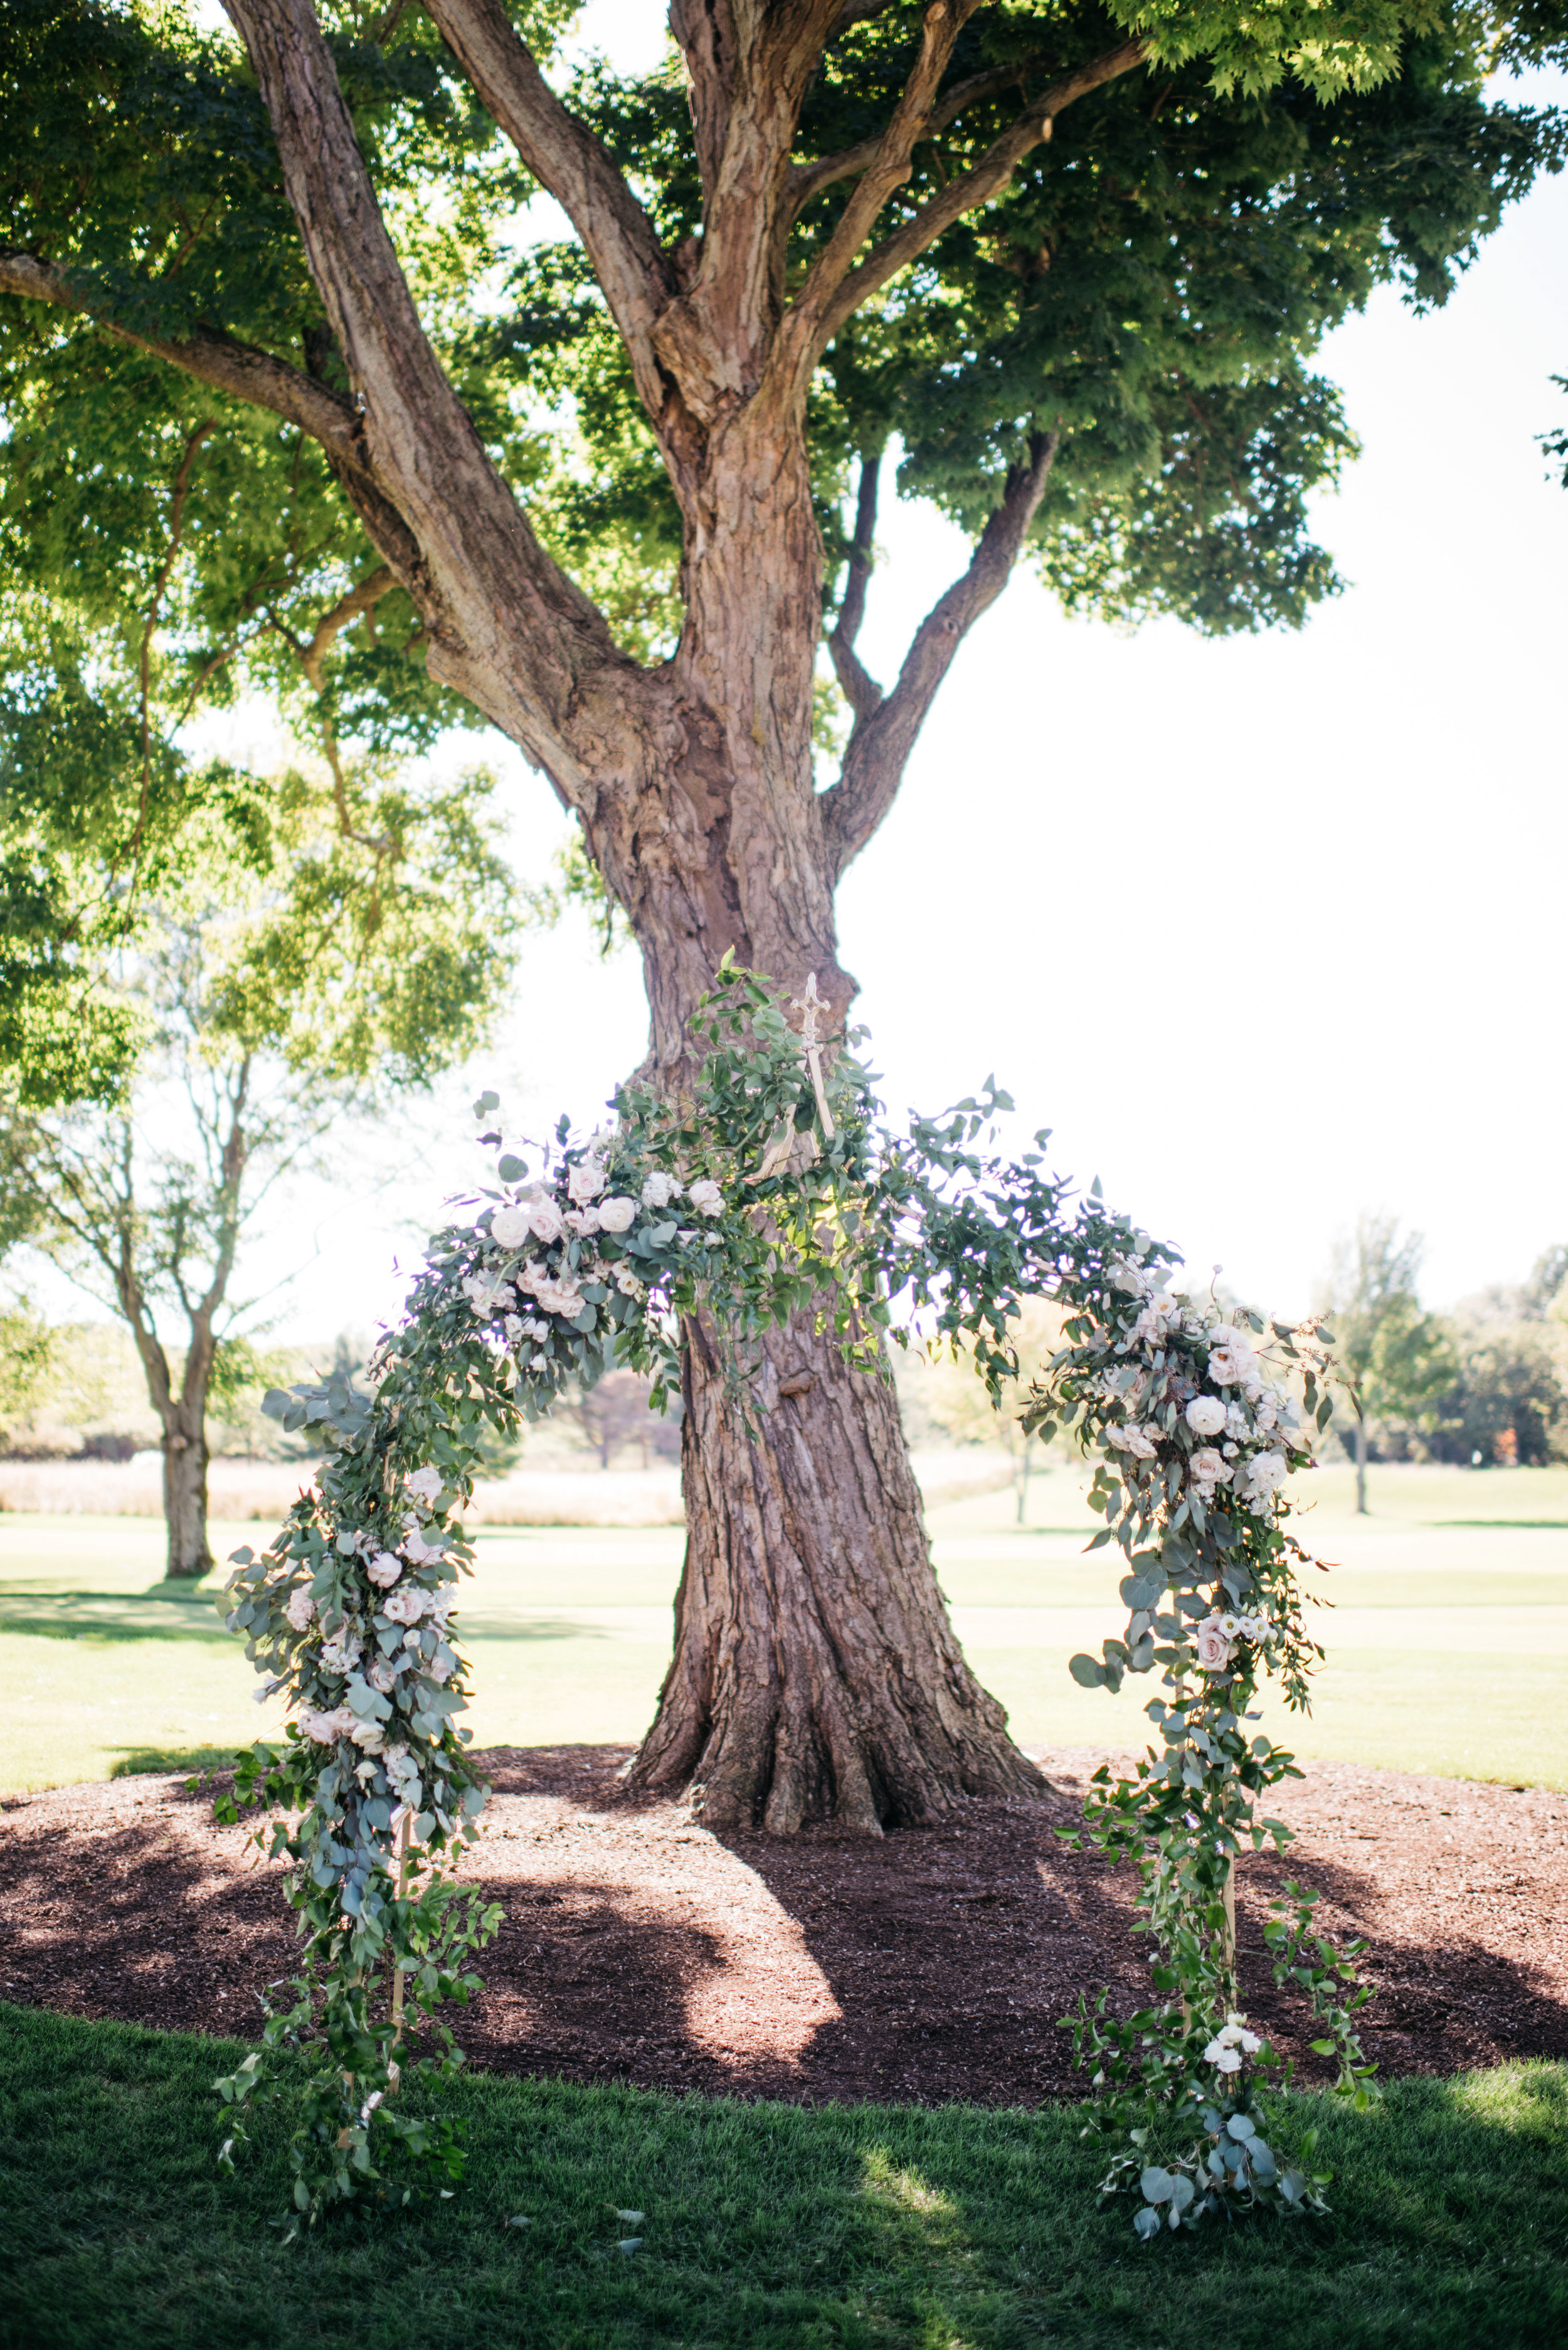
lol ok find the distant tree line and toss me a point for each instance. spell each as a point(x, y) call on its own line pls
point(1483, 1385)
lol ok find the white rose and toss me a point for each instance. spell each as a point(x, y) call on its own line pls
point(659, 1189)
point(300, 1610)
point(384, 1569)
point(485, 1294)
point(546, 1220)
point(1134, 1441)
point(583, 1222)
point(562, 1297)
point(404, 1607)
point(585, 1181)
point(627, 1282)
point(510, 1227)
point(1222, 2056)
point(1231, 1361)
point(1267, 1413)
point(425, 1484)
point(1266, 1473)
point(327, 1729)
point(417, 1551)
point(1205, 1415)
point(1213, 1647)
point(1208, 1467)
point(618, 1213)
point(706, 1197)
point(369, 1735)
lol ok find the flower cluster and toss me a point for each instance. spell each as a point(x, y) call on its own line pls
point(1230, 2044)
point(1198, 1417)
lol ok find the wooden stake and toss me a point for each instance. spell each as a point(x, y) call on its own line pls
point(400, 1847)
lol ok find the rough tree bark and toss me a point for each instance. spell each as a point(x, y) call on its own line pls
point(815, 1671)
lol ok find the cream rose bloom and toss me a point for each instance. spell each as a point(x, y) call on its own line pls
point(486, 1293)
point(425, 1484)
point(659, 1189)
point(384, 1569)
point(1232, 1359)
point(405, 1606)
point(1205, 1415)
point(510, 1227)
point(618, 1213)
point(1134, 1441)
point(562, 1297)
point(1213, 1647)
point(546, 1220)
point(706, 1197)
point(1208, 1467)
point(327, 1729)
point(1266, 1472)
point(585, 1181)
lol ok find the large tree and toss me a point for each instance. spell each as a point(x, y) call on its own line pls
point(1064, 265)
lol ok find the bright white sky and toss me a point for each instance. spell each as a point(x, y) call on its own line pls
point(1267, 931)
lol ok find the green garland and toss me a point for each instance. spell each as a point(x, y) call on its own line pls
point(775, 1187)
point(1198, 1426)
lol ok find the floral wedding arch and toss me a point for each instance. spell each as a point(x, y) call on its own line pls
point(774, 1186)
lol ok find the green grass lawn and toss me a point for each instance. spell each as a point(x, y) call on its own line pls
point(1450, 1609)
point(837, 2227)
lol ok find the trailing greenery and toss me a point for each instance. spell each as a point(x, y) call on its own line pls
point(824, 2228)
point(773, 1191)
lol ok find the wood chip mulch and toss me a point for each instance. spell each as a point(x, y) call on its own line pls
point(930, 1965)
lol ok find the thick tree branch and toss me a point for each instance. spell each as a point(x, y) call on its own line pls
point(861, 689)
point(507, 627)
point(802, 336)
point(880, 745)
point(567, 158)
point(245, 373)
point(748, 68)
point(835, 291)
point(806, 179)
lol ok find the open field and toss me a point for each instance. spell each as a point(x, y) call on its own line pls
point(824, 2228)
point(1450, 1613)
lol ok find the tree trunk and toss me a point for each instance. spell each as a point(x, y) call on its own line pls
point(185, 1457)
point(1360, 1466)
point(815, 1675)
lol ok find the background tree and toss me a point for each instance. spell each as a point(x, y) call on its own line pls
point(1396, 1358)
point(942, 1393)
point(274, 960)
point(1060, 268)
point(1509, 1402)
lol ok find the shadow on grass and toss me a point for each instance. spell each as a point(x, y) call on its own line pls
point(137, 1762)
point(166, 1612)
point(763, 2227)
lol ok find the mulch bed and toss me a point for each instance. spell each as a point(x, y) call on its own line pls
point(932, 1965)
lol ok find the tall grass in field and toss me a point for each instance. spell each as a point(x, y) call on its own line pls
point(264, 1490)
